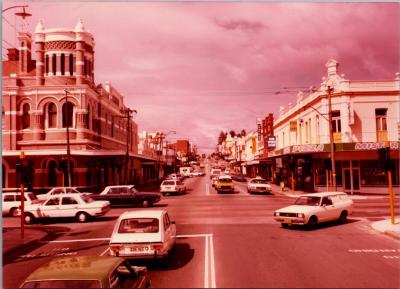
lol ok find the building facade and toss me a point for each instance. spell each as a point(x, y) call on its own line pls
point(76, 132)
point(365, 117)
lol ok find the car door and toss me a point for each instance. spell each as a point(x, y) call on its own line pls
point(328, 210)
point(69, 206)
point(113, 196)
point(50, 208)
point(128, 196)
point(170, 231)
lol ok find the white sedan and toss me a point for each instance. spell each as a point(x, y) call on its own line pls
point(311, 209)
point(144, 234)
point(258, 185)
point(77, 206)
point(57, 191)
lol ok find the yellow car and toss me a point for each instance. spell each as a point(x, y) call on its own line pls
point(224, 184)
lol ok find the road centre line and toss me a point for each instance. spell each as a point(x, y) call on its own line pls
point(206, 260)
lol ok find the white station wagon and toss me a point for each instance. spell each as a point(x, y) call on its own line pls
point(314, 208)
point(144, 234)
point(78, 206)
point(172, 186)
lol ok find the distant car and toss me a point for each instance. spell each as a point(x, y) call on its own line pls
point(172, 186)
point(214, 179)
point(12, 202)
point(58, 191)
point(311, 209)
point(196, 174)
point(178, 177)
point(127, 195)
point(258, 185)
point(88, 272)
point(224, 184)
point(215, 172)
point(78, 206)
point(239, 177)
point(144, 234)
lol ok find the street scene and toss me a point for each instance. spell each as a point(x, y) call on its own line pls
point(255, 146)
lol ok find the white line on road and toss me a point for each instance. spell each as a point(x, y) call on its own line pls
point(206, 281)
point(207, 189)
point(78, 240)
point(102, 254)
point(213, 281)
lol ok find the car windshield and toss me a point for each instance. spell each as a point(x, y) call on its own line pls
point(225, 180)
point(32, 196)
point(71, 191)
point(168, 183)
point(139, 225)
point(87, 199)
point(308, 201)
point(62, 284)
point(259, 181)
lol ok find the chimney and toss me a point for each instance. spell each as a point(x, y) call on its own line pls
point(13, 54)
point(25, 40)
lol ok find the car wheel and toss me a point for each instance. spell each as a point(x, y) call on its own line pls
point(146, 204)
point(284, 225)
point(343, 217)
point(82, 217)
point(29, 218)
point(13, 212)
point(312, 222)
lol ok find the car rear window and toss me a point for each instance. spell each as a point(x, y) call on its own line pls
point(62, 284)
point(259, 181)
point(308, 201)
point(225, 180)
point(139, 225)
point(168, 183)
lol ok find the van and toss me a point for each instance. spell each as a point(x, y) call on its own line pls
point(12, 202)
point(185, 171)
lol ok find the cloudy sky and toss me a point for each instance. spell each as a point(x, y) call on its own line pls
point(202, 67)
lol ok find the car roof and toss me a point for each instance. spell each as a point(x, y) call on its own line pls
point(324, 194)
point(224, 177)
point(78, 267)
point(142, 214)
point(66, 195)
point(120, 186)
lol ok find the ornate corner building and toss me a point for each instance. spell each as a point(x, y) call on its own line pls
point(53, 111)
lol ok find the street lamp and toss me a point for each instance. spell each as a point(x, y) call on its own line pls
point(22, 14)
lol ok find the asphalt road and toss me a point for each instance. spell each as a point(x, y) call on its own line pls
point(231, 240)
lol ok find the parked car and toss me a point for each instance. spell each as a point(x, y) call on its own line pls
point(172, 186)
point(311, 209)
point(214, 179)
point(12, 201)
point(239, 177)
point(144, 234)
point(88, 272)
point(258, 185)
point(58, 191)
point(78, 206)
point(196, 174)
point(127, 195)
point(178, 177)
point(224, 184)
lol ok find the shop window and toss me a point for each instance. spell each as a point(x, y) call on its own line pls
point(372, 174)
point(26, 121)
point(381, 124)
point(51, 115)
point(67, 114)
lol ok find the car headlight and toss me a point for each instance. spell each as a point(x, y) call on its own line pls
point(300, 215)
point(276, 214)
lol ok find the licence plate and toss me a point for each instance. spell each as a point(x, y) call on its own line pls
point(287, 221)
point(139, 250)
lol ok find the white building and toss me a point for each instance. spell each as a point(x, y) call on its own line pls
point(365, 114)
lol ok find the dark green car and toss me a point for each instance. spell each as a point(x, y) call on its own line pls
point(88, 272)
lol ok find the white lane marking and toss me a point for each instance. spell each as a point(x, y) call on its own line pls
point(78, 240)
point(102, 254)
point(213, 280)
point(207, 189)
point(191, 236)
point(206, 260)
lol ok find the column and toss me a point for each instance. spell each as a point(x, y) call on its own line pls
point(40, 63)
point(79, 62)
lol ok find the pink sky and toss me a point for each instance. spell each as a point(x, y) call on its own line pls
point(199, 68)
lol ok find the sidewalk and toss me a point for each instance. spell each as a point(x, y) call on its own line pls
point(387, 228)
point(12, 241)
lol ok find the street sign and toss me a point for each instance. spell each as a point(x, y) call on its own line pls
point(271, 142)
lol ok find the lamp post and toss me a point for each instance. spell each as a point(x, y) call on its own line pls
point(22, 14)
point(330, 90)
point(161, 137)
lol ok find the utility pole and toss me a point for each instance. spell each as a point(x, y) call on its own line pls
point(67, 120)
point(128, 133)
point(330, 90)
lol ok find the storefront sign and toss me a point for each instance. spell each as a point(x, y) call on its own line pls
point(271, 142)
point(293, 125)
point(308, 148)
point(374, 146)
point(259, 129)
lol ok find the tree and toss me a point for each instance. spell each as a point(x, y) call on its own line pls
point(222, 137)
point(243, 132)
point(232, 133)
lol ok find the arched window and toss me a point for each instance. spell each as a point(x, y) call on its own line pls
point(47, 64)
point(62, 64)
point(67, 114)
point(52, 166)
point(51, 115)
point(26, 121)
point(53, 64)
point(71, 64)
